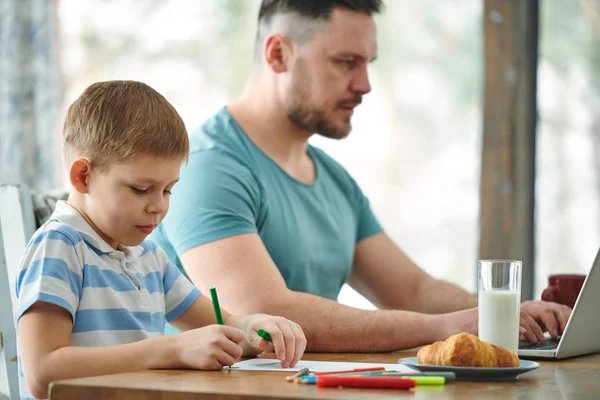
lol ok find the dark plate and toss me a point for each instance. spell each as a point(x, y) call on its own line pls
point(475, 373)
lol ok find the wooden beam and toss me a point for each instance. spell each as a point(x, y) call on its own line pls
point(509, 124)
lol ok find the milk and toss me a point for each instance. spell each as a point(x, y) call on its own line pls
point(499, 318)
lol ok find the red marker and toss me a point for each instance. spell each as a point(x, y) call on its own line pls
point(381, 382)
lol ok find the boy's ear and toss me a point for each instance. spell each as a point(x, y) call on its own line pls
point(78, 174)
point(278, 53)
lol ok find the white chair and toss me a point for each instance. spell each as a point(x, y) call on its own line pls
point(9, 377)
point(17, 225)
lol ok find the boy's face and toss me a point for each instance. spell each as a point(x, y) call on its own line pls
point(129, 200)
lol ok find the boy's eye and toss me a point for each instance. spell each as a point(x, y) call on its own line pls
point(138, 190)
point(167, 191)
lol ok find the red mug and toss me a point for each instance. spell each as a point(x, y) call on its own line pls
point(563, 288)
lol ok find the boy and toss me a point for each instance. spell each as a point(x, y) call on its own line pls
point(93, 295)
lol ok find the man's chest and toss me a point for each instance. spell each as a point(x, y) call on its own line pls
point(310, 230)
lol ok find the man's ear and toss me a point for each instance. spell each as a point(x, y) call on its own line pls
point(79, 173)
point(278, 53)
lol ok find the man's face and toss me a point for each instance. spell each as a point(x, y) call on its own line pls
point(129, 200)
point(329, 76)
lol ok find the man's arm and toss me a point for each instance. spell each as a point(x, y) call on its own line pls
point(249, 282)
point(386, 276)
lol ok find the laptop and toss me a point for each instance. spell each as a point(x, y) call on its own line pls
point(582, 333)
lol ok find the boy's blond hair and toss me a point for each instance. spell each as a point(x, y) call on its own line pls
point(116, 121)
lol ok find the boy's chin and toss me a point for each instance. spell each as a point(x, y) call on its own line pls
point(132, 242)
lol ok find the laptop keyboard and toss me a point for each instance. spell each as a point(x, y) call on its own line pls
point(548, 344)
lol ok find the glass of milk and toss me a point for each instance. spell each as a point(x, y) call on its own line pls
point(500, 302)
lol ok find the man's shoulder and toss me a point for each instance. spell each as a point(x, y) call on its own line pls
point(219, 132)
point(220, 152)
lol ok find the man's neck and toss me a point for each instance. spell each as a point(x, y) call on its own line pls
point(266, 123)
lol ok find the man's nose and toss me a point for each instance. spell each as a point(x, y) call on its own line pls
point(360, 83)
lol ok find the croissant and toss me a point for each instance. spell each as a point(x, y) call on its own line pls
point(466, 350)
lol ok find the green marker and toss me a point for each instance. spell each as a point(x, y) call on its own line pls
point(215, 301)
point(265, 335)
point(447, 376)
point(426, 380)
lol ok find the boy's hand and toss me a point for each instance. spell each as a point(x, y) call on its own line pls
point(210, 348)
point(289, 341)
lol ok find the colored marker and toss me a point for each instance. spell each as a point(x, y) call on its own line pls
point(448, 376)
point(265, 335)
point(215, 301)
point(306, 379)
point(425, 380)
point(349, 370)
point(419, 380)
point(365, 382)
point(297, 375)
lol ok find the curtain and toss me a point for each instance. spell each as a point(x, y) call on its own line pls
point(29, 94)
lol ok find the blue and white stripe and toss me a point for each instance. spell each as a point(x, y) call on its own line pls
point(114, 297)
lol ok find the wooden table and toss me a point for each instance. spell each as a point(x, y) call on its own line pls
point(576, 378)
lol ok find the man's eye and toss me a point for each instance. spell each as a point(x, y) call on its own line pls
point(348, 63)
point(168, 192)
point(138, 190)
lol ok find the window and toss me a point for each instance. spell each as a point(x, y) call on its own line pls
point(415, 145)
point(568, 153)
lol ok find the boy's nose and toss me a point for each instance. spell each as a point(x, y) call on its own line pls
point(159, 205)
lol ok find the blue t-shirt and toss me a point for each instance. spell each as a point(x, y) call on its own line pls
point(230, 187)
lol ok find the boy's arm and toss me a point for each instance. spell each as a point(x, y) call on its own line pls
point(47, 355)
point(288, 340)
point(201, 313)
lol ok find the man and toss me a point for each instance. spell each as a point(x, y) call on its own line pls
point(279, 227)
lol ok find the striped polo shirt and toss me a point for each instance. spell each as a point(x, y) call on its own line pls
point(114, 296)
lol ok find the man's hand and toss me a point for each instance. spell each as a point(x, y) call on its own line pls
point(540, 316)
point(537, 317)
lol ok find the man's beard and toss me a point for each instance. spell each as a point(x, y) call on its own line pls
point(313, 120)
point(310, 118)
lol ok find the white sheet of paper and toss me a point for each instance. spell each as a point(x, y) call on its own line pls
point(264, 364)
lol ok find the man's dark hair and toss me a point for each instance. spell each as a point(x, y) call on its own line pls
point(316, 9)
point(304, 13)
